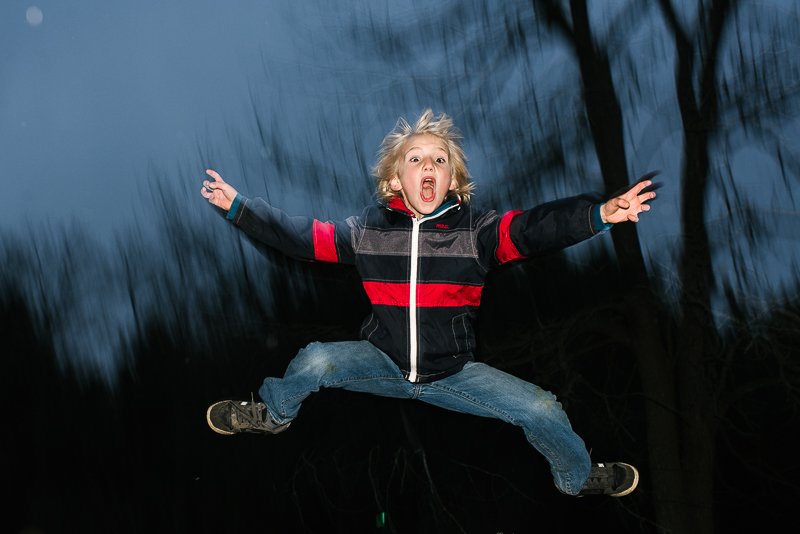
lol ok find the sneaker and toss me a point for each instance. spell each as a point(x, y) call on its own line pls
point(611, 478)
point(231, 417)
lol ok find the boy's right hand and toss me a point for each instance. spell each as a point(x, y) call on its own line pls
point(218, 192)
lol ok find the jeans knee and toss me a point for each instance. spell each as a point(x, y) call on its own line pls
point(543, 408)
point(314, 359)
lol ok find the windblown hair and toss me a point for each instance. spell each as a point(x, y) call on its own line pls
point(389, 154)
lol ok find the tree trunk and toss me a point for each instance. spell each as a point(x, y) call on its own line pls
point(696, 329)
point(656, 365)
point(696, 344)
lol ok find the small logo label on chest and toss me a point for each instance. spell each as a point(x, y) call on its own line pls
point(441, 226)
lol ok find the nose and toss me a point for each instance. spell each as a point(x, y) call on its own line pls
point(427, 164)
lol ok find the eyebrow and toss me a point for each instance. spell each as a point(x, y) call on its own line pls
point(420, 148)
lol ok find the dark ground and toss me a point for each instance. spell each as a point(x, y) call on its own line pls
point(140, 457)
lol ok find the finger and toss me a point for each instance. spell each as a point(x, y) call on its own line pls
point(208, 195)
point(623, 204)
point(215, 175)
point(640, 186)
point(649, 175)
point(212, 189)
point(645, 207)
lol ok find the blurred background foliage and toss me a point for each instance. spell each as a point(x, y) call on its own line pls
point(671, 343)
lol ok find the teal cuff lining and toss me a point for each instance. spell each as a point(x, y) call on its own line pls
point(233, 209)
point(598, 220)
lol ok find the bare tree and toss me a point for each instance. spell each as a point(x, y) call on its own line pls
point(683, 379)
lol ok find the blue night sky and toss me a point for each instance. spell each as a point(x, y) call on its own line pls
point(93, 92)
point(97, 94)
point(98, 97)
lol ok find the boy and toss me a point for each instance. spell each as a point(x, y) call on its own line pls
point(422, 255)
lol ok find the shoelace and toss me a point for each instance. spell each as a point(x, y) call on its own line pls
point(600, 477)
point(250, 415)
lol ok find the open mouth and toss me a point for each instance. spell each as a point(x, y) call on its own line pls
point(428, 189)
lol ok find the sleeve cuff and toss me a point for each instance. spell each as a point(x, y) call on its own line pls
point(597, 220)
point(235, 207)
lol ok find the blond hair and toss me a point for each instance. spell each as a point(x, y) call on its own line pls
point(389, 154)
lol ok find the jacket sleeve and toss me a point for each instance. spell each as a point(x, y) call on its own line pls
point(551, 226)
point(299, 237)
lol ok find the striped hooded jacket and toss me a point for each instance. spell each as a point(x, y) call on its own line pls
point(423, 277)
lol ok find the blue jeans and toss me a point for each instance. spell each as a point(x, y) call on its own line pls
point(477, 389)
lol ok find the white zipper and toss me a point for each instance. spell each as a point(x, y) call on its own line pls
point(412, 300)
point(412, 293)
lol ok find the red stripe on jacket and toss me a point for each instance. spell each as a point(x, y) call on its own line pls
point(324, 242)
point(506, 249)
point(428, 295)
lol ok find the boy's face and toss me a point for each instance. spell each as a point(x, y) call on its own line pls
point(423, 177)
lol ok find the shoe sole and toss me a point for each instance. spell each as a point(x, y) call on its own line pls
point(211, 425)
point(633, 485)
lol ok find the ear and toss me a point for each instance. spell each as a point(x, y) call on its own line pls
point(394, 184)
point(453, 184)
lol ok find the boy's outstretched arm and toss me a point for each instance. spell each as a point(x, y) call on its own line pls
point(300, 237)
point(628, 205)
point(218, 193)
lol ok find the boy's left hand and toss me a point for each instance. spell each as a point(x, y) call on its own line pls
point(628, 205)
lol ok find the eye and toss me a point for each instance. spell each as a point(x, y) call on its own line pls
point(441, 161)
point(413, 159)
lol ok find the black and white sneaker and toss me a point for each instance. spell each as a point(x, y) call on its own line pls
point(231, 417)
point(611, 478)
